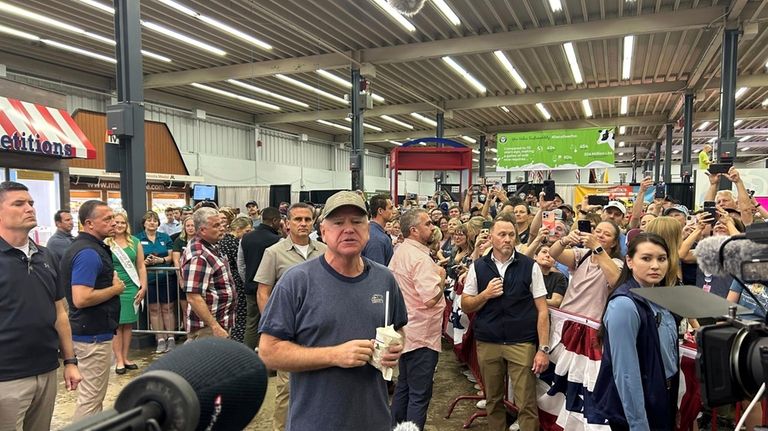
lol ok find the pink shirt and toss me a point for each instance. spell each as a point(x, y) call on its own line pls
point(419, 280)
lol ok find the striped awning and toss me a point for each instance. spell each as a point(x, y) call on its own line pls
point(36, 129)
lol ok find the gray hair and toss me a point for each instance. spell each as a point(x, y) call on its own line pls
point(201, 216)
point(725, 192)
point(410, 219)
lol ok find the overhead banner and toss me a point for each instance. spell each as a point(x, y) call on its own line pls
point(555, 149)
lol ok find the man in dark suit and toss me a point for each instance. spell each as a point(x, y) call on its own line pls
point(249, 256)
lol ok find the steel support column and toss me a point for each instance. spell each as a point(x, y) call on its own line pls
point(726, 147)
point(686, 167)
point(481, 158)
point(356, 154)
point(126, 119)
point(657, 163)
point(439, 132)
point(668, 155)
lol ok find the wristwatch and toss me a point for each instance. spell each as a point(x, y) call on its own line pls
point(70, 361)
point(598, 250)
point(544, 348)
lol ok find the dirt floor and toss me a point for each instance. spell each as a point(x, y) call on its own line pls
point(449, 383)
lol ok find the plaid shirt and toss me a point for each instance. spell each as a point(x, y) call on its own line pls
point(206, 273)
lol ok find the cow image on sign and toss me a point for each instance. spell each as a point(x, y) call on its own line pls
point(607, 136)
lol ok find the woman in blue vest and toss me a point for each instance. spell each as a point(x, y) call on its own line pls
point(640, 348)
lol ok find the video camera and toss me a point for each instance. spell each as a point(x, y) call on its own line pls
point(732, 358)
point(732, 362)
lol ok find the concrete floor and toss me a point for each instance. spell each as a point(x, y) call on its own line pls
point(449, 383)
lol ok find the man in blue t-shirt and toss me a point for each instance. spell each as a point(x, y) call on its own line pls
point(379, 247)
point(320, 322)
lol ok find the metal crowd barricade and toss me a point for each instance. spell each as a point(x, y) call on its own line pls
point(162, 287)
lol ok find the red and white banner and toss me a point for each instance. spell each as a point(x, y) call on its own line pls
point(36, 129)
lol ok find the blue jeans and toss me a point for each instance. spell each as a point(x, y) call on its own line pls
point(414, 387)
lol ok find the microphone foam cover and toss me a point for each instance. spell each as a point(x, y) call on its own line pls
point(220, 367)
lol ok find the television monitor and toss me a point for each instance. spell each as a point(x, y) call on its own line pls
point(203, 192)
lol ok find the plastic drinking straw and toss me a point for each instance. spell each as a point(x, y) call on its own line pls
point(386, 309)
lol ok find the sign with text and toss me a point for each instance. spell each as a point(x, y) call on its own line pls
point(555, 149)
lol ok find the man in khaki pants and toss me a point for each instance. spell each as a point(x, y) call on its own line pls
point(278, 259)
point(507, 291)
point(93, 293)
point(38, 324)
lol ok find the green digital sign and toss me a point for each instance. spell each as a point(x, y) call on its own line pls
point(556, 149)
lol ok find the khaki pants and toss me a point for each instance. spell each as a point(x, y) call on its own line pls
point(282, 398)
point(514, 360)
point(26, 404)
point(94, 362)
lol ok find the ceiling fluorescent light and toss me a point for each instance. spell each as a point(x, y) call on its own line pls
point(570, 54)
point(740, 92)
point(216, 23)
point(621, 154)
point(587, 108)
point(447, 12)
point(744, 138)
point(424, 119)
point(737, 123)
point(676, 152)
point(622, 144)
point(101, 6)
point(80, 51)
point(469, 139)
point(267, 93)
point(19, 34)
point(703, 125)
point(156, 56)
point(396, 121)
point(395, 142)
point(464, 74)
point(308, 87)
point(626, 64)
point(543, 111)
point(235, 96)
point(475, 151)
point(765, 102)
point(476, 161)
point(15, 10)
point(555, 5)
point(370, 126)
point(712, 140)
point(624, 105)
point(622, 130)
point(505, 109)
point(338, 126)
point(697, 150)
point(745, 149)
point(510, 69)
point(392, 12)
point(183, 38)
point(493, 150)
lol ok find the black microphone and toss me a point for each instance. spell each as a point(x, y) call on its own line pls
point(723, 255)
point(208, 384)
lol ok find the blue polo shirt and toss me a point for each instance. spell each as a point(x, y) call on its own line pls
point(379, 248)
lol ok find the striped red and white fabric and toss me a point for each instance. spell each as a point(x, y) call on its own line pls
point(564, 397)
point(36, 129)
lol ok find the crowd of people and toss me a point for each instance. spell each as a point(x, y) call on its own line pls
point(308, 285)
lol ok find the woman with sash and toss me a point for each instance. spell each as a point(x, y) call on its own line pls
point(128, 259)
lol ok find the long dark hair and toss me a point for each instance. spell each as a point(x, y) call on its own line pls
point(626, 273)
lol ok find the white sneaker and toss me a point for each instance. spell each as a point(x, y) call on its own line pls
point(481, 404)
point(514, 427)
point(162, 346)
point(171, 344)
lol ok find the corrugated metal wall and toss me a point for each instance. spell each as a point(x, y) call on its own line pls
point(222, 138)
